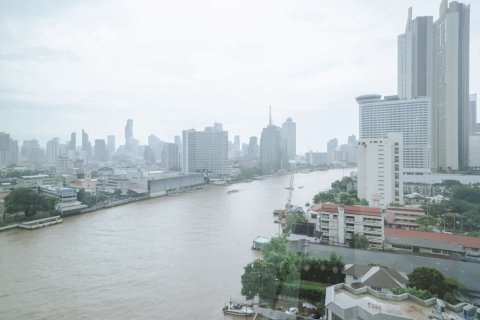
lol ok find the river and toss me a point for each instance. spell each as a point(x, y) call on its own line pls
point(178, 257)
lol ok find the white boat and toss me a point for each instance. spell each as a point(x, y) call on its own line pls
point(238, 309)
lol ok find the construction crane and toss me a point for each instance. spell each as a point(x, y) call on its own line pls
point(288, 206)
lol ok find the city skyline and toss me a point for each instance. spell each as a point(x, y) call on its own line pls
point(230, 75)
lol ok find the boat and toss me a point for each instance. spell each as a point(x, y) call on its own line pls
point(238, 309)
point(232, 191)
point(300, 187)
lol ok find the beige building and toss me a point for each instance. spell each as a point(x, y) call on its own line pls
point(338, 223)
point(403, 218)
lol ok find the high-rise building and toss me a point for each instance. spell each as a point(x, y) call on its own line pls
point(474, 125)
point(101, 151)
point(111, 144)
point(352, 140)
point(452, 37)
point(253, 148)
point(86, 145)
point(412, 117)
point(415, 58)
point(178, 142)
point(433, 61)
point(332, 146)
point(272, 151)
point(206, 151)
point(53, 150)
point(72, 145)
point(289, 133)
point(156, 145)
point(170, 156)
point(32, 152)
point(380, 170)
point(8, 149)
point(129, 136)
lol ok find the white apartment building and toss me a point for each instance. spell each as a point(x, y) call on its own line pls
point(206, 151)
point(412, 117)
point(380, 170)
point(339, 223)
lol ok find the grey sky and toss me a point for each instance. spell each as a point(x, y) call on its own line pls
point(173, 65)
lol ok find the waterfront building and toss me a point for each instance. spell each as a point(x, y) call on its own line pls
point(344, 302)
point(338, 223)
point(174, 182)
point(411, 117)
point(289, 134)
point(316, 158)
point(206, 151)
point(36, 181)
point(66, 198)
point(380, 170)
point(332, 146)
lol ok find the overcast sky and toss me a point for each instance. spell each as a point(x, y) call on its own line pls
point(173, 65)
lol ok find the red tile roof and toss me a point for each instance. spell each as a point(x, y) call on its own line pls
point(467, 242)
point(420, 210)
point(360, 210)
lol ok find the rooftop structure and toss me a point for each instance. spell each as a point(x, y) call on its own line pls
point(378, 278)
point(344, 302)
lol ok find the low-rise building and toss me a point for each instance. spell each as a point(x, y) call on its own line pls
point(66, 198)
point(338, 223)
point(436, 243)
point(403, 218)
point(378, 278)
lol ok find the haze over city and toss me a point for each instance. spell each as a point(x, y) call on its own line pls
point(68, 65)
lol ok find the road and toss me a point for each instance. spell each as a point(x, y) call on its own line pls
point(467, 273)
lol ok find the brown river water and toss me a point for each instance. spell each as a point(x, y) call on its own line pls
point(176, 257)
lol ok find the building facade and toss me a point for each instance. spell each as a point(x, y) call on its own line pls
point(338, 224)
point(289, 133)
point(380, 170)
point(206, 151)
point(412, 117)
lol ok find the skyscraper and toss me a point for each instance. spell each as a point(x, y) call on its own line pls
point(206, 151)
point(86, 145)
point(129, 135)
point(452, 37)
point(433, 61)
point(111, 144)
point(253, 147)
point(272, 151)
point(289, 133)
point(474, 126)
point(415, 58)
point(332, 145)
point(53, 150)
point(101, 152)
point(72, 145)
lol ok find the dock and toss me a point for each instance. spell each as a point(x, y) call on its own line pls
point(41, 223)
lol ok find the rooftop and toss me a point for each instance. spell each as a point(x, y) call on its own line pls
point(350, 301)
point(452, 239)
point(360, 210)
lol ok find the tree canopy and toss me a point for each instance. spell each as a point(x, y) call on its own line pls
point(358, 241)
point(28, 201)
point(429, 279)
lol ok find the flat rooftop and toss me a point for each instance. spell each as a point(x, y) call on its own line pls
point(376, 307)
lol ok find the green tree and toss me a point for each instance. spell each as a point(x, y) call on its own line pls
point(449, 298)
point(429, 279)
point(327, 196)
point(28, 201)
point(426, 221)
point(358, 241)
point(117, 192)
